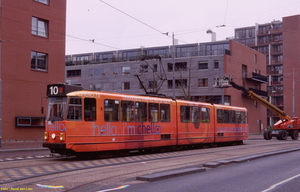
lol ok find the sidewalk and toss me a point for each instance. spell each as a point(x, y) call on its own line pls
point(22, 145)
point(38, 145)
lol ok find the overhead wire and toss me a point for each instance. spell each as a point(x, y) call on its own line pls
point(138, 20)
point(52, 31)
point(132, 17)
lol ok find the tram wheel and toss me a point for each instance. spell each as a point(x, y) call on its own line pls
point(267, 135)
point(295, 134)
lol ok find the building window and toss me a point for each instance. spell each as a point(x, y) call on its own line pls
point(216, 64)
point(125, 70)
point(74, 73)
point(125, 85)
point(143, 68)
point(255, 58)
point(46, 2)
point(203, 65)
point(96, 71)
point(39, 27)
point(170, 84)
point(39, 61)
point(152, 84)
point(181, 66)
point(170, 67)
point(203, 82)
point(115, 70)
point(180, 83)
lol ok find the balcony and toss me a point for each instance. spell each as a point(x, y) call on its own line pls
point(276, 82)
point(275, 93)
point(276, 31)
point(256, 77)
point(259, 92)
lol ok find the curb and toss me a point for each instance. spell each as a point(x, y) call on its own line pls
point(23, 149)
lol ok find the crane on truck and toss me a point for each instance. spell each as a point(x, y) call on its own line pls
point(285, 127)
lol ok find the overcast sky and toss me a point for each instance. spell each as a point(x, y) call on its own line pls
point(106, 25)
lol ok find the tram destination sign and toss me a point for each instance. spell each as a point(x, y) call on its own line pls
point(61, 90)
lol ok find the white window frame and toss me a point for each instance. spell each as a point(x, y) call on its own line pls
point(39, 27)
point(36, 57)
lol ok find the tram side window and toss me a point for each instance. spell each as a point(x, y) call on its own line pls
point(205, 115)
point(240, 117)
point(165, 115)
point(232, 116)
point(220, 115)
point(140, 111)
point(111, 110)
point(127, 111)
point(90, 109)
point(75, 109)
point(185, 116)
point(226, 116)
point(196, 114)
point(243, 117)
point(153, 112)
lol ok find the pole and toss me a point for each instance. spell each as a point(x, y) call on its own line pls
point(293, 101)
point(173, 65)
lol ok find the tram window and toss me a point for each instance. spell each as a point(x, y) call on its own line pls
point(226, 116)
point(165, 113)
point(220, 115)
point(232, 116)
point(56, 108)
point(243, 117)
point(153, 112)
point(185, 116)
point(127, 111)
point(111, 110)
point(75, 109)
point(205, 115)
point(90, 109)
point(196, 114)
point(240, 117)
point(140, 112)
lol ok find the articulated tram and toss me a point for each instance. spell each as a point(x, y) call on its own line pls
point(81, 121)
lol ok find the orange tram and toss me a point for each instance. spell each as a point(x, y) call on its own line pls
point(81, 121)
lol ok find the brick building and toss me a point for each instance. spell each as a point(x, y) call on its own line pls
point(280, 42)
point(32, 51)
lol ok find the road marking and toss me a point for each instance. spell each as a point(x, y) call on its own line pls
point(117, 188)
point(277, 184)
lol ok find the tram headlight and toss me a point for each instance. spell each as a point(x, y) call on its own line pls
point(53, 136)
point(46, 135)
point(62, 137)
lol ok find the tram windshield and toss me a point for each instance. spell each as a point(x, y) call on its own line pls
point(56, 108)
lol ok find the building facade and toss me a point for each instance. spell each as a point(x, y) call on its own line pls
point(280, 42)
point(188, 72)
point(32, 51)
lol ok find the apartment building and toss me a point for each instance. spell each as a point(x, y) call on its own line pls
point(280, 42)
point(188, 72)
point(32, 49)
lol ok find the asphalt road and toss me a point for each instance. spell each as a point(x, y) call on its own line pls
point(275, 174)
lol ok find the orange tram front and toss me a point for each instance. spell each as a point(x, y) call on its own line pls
point(80, 121)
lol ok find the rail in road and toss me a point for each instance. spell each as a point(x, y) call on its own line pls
point(10, 171)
